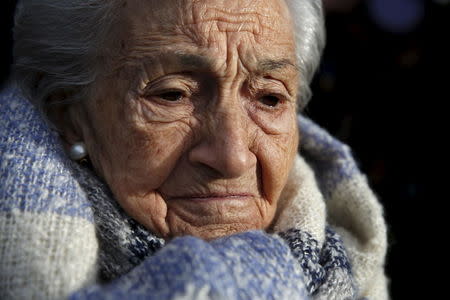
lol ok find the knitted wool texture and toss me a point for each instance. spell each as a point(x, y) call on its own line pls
point(61, 230)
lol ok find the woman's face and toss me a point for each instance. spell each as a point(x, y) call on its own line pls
point(194, 128)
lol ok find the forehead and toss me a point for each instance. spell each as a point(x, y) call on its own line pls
point(209, 27)
point(243, 12)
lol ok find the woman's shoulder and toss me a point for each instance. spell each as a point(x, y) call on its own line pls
point(34, 171)
point(45, 223)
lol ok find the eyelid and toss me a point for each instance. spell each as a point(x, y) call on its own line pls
point(275, 80)
point(170, 83)
point(275, 88)
point(158, 96)
point(169, 90)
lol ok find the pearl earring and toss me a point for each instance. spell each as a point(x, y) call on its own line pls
point(78, 151)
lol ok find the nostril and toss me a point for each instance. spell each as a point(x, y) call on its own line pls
point(224, 145)
point(239, 160)
point(223, 159)
point(211, 172)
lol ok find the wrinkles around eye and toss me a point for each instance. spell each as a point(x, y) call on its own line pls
point(171, 89)
point(268, 94)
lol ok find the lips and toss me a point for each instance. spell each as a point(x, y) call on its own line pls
point(214, 197)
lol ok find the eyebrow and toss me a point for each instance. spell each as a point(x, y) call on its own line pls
point(266, 65)
point(274, 64)
point(197, 61)
point(193, 60)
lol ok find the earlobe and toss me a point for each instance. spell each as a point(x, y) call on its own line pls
point(67, 120)
point(61, 117)
point(70, 132)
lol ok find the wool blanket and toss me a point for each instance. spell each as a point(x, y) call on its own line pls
point(62, 234)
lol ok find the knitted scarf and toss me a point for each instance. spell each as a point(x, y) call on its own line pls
point(62, 233)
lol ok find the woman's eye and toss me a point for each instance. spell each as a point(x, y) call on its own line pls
point(270, 100)
point(171, 96)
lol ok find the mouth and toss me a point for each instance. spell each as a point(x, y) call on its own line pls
point(214, 197)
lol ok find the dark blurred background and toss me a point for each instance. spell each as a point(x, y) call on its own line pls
point(380, 89)
point(382, 79)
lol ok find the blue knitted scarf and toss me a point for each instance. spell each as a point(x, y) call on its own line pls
point(63, 234)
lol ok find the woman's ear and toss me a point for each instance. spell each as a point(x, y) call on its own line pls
point(65, 117)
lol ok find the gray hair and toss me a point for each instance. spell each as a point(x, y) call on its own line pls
point(59, 45)
point(309, 31)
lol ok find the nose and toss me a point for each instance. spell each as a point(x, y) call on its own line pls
point(225, 145)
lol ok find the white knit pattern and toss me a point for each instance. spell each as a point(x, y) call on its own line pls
point(302, 205)
point(45, 256)
point(357, 216)
point(352, 210)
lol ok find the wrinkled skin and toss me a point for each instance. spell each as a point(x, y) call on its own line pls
point(193, 127)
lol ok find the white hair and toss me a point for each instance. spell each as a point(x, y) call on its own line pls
point(309, 31)
point(59, 45)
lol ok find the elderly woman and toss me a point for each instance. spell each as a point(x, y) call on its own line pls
point(157, 157)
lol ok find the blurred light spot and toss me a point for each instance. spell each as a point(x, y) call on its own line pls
point(397, 16)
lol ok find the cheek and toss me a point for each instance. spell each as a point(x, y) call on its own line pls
point(146, 158)
point(279, 122)
point(139, 163)
point(133, 154)
point(276, 154)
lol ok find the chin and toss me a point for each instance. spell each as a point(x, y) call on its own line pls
point(216, 218)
